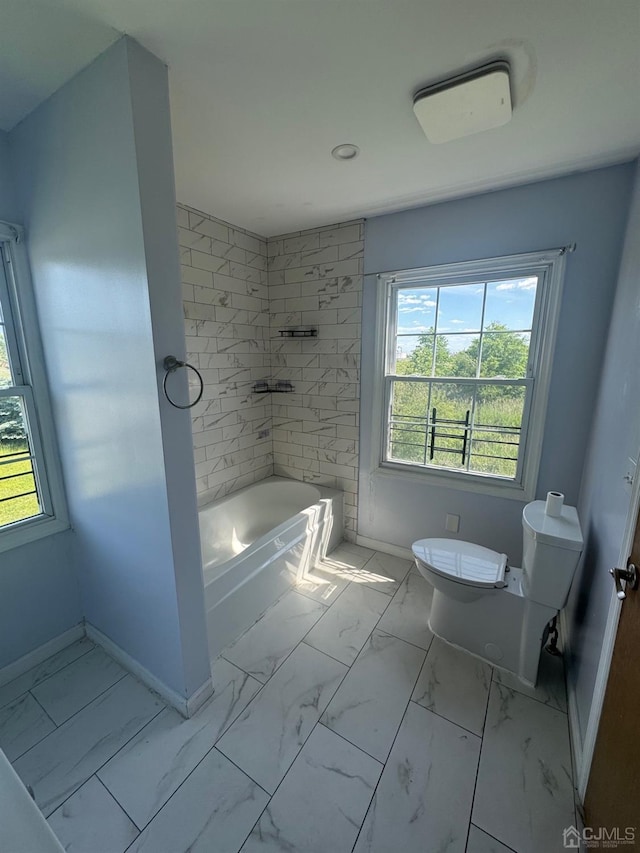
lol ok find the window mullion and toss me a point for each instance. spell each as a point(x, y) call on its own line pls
point(480, 342)
point(11, 332)
point(435, 339)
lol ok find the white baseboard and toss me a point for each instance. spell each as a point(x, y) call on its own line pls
point(385, 547)
point(187, 707)
point(37, 656)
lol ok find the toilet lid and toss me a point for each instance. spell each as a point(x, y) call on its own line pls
point(462, 561)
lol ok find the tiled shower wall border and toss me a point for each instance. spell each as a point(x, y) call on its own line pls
point(315, 280)
point(239, 290)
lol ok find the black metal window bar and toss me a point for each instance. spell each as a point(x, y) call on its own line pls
point(11, 459)
point(427, 432)
point(449, 423)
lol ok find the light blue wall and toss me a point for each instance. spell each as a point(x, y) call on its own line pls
point(152, 128)
point(604, 497)
point(589, 209)
point(96, 191)
point(8, 203)
point(39, 595)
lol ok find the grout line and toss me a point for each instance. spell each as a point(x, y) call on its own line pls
point(453, 722)
point(64, 722)
point(520, 692)
point(284, 659)
point(44, 737)
point(118, 804)
point(93, 699)
point(484, 726)
point(271, 796)
point(231, 761)
point(316, 724)
point(322, 651)
point(46, 678)
point(33, 696)
point(98, 769)
point(219, 736)
point(346, 740)
point(402, 639)
point(393, 743)
point(506, 846)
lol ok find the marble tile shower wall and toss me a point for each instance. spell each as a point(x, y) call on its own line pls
point(226, 309)
point(315, 280)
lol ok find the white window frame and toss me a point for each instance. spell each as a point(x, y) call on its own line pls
point(28, 360)
point(549, 267)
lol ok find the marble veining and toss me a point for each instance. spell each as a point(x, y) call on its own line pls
point(423, 800)
point(345, 627)
point(262, 648)
point(322, 800)
point(22, 724)
point(362, 734)
point(525, 762)
point(146, 772)
point(70, 689)
point(91, 821)
point(13, 689)
point(550, 688)
point(214, 809)
point(368, 707)
point(268, 735)
point(407, 615)
point(454, 685)
point(65, 759)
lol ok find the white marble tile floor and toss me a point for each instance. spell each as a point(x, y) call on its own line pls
point(339, 724)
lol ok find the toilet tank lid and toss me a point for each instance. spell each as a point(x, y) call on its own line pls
point(561, 532)
point(464, 562)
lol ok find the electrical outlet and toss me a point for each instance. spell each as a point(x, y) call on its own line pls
point(452, 523)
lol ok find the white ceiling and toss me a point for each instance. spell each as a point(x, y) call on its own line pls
point(262, 90)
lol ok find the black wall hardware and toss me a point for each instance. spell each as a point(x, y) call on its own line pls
point(171, 364)
point(298, 333)
point(279, 387)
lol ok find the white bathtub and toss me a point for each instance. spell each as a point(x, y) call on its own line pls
point(258, 542)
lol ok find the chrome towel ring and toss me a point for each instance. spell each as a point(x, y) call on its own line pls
point(171, 364)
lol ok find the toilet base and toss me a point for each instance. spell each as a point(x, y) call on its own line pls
point(502, 627)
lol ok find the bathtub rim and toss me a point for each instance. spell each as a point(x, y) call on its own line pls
point(325, 493)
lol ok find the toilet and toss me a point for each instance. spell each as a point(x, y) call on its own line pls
point(496, 611)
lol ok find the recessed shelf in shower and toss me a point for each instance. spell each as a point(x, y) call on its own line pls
point(298, 333)
point(279, 387)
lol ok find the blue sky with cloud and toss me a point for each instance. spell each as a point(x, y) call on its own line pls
point(460, 310)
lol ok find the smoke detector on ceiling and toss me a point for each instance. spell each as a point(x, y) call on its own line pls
point(469, 103)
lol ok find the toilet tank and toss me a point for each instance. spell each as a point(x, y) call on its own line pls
point(551, 550)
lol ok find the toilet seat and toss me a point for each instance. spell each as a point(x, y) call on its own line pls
point(462, 562)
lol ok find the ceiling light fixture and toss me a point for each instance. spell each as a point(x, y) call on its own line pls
point(469, 103)
point(346, 151)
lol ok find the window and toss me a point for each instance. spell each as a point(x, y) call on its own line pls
point(31, 503)
point(467, 352)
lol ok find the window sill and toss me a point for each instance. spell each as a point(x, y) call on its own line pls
point(465, 483)
point(30, 530)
